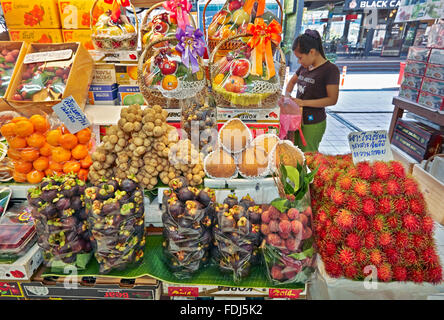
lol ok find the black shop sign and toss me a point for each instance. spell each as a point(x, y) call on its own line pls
point(357, 5)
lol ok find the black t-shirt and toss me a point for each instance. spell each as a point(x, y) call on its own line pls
point(313, 85)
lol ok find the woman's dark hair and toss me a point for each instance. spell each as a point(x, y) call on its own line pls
point(307, 41)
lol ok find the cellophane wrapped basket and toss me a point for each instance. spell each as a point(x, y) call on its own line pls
point(171, 69)
point(113, 30)
point(232, 20)
point(246, 78)
point(173, 13)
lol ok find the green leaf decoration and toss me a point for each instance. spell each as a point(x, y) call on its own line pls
point(302, 255)
point(281, 204)
point(293, 176)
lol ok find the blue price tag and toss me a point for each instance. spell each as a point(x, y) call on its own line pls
point(71, 115)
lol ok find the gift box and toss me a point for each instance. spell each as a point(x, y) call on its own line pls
point(415, 67)
point(418, 54)
point(424, 136)
point(126, 74)
point(412, 80)
point(103, 94)
point(36, 35)
point(409, 93)
point(77, 82)
point(431, 101)
point(129, 95)
point(433, 86)
point(435, 71)
point(31, 14)
point(436, 56)
point(82, 36)
point(76, 14)
point(104, 74)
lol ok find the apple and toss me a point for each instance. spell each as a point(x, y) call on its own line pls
point(240, 68)
point(234, 5)
point(222, 17)
point(240, 16)
point(168, 67)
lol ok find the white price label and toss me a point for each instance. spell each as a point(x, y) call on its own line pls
point(48, 56)
point(370, 146)
point(71, 115)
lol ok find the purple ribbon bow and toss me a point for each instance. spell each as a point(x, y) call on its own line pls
point(191, 46)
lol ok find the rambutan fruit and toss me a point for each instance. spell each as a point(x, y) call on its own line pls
point(429, 256)
point(410, 222)
point(417, 275)
point(345, 183)
point(420, 241)
point(362, 223)
point(397, 169)
point(434, 275)
point(364, 170)
point(376, 189)
point(385, 272)
point(346, 256)
point(334, 234)
point(427, 225)
point(352, 172)
point(369, 240)
point(351, 272)
point(381, 170)
point(333, 268)
point(393, 188)
point(322, 234)
point(353, 241)
point(369, 207)
point(321, 217)
point(360, 187)
point(417, 206)
point(318, 183)
point(400, 273)
point(402, 239)
point(344, 219)
point(376, 257)
point(361, 256)
point(410, 257)
point(393, 222)
point(330, 248)
point(337, 197)
point(410, 187)
point(352, 203)
point(392, 255)
point(400, 205)
point(378, 223)
point(384, 206)
point(385, 239)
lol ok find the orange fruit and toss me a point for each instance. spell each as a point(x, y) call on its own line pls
point(22, 166)
point(36, 140)
point(84, 135)
point(83, 174)
point(79, 152)
point(8, 130)
point(24, 128)
point(29, 154)
point(40, 123)
point(41, 164)
point(19, 177)
point(71, 166)
point(86, 162)
point(60, 154)
point(35, 176)
point(17, 119)
point(49, 172)
point(17, 143)
point(68, 141)
point(169, 82)
point(53, 137)
point(55, 166)
point(46, 150)
point(14, 154)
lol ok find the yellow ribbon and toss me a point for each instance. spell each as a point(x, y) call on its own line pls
point(260, 42)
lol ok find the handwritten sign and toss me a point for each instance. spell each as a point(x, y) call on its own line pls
point(183, 291)
point(370, 146)
point(284, 293)
point(71, 115)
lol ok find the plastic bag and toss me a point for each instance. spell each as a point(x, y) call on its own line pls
point(116, 217)
point(8, 59)
point(188, 217)
point(291, 118)
point(237, 236)
point(288, 249)
point(113, 30)
point(173, 14)
point(58, 210)
point(249, 76)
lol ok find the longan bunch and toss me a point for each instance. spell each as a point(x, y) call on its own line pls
point(185, 158)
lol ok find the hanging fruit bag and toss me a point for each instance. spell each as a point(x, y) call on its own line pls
point(113, 30)
point(171, 68)
point(175, 14)
point(233, 20)
point(248, 77)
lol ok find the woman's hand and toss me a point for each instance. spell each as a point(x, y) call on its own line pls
point(300, 102)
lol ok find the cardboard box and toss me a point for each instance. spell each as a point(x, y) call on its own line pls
point(104, 74)
point(36, 35)
point(77, 83)
point(75, 14)
point(82, 36)
point(431, 101)
point(421, 134)
point(415, 67)
point(418, 54)
point(435, 71)
point(31, 14)
point(103, 97)
point(433, 86)
point(126, 74)
point(249, 115)
point(412, 80)
point(129, 95)
point(97, 288)
point(409, 93)
point(12, 45)
point(24, 267)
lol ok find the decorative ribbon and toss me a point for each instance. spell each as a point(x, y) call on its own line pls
point(115, 12)
point(191, 46)
point(179, 10)
point(249, 4)
point(260, 43)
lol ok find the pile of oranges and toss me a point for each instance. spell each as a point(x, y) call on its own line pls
point(38, 151)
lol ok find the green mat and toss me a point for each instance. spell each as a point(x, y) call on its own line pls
point(154, 267)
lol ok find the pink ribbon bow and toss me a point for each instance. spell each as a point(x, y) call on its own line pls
point(179, 10)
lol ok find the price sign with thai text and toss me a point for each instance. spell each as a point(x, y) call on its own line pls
point(71, 115)
point(370, 146)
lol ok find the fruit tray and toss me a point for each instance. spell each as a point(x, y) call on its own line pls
point(16, 239)
point(155, 268)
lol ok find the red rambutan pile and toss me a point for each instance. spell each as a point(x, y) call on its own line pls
point(372, 214)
